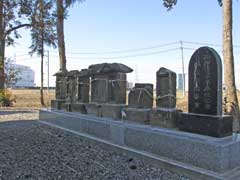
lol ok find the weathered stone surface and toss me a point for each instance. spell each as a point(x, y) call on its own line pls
point(109, 88)
point(166, 88)
point(61, 85)
point(94, 109)
point(113, 111)
point(106, 68)
point(67, 107)
point(79, 107)
point(83, 87)
point(216, 126)
point(205, 82)
point(141, 96)
point(57, 104)
point(137, 115)
point(71, 86)
point(164, 117)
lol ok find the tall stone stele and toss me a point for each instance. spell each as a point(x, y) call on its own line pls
point(166, 88)
point(205, 96)
point(60, 90)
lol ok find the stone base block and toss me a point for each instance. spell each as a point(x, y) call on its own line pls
point(216, 126)
point(113, 111)
point(67, 107)
point(79, 107)
point(164, 117)
point(137, 115)
point(195, 156)
point(57, 104)
point(94, 109)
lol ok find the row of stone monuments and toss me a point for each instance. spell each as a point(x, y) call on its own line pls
point(101, 90)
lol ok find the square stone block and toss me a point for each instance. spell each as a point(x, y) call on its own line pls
point(79, 107)
point(113, 111)
point(94, 109)
point(67, 107)
point(137, 115)
point(216, 126)
point(164, 117)
point(57, 104)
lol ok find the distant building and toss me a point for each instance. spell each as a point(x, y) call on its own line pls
point(25, 77)
point(180, 82)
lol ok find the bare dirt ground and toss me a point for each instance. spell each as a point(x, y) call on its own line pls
point(30, 150)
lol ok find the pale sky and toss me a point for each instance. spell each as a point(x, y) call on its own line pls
point(117, 30)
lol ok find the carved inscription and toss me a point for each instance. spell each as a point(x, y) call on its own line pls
point(205, 82)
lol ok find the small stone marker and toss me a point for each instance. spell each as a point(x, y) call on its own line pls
point(166, 88)
point(141, 96)
point(205, 82)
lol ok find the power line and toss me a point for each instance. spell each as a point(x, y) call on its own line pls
point(207, 44)
point(125, 51)
point(124, 57)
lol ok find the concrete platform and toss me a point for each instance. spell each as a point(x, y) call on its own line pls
point(200, 157)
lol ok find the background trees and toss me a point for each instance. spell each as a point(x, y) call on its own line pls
point(62, 5)
point(43, 32)
point(12, 18)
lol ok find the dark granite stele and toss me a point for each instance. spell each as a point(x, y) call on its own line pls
point(215, 126)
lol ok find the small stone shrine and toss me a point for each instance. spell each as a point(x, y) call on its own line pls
point(165, 113)
point(60, 93)
point(81, 95)
point(108, 89)
point(205, 96)
point(140, 102)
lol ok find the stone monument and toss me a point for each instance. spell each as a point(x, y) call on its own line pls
point(140, 102)
point(165, 113)
point(71, 89)
point(205, 96)
point(108, 89)
point(81, 94)
point(60, 91)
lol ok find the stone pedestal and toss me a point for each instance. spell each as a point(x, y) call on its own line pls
point(79, 107)
point(216, 126)
point(67, 107)
point(137, 115)
point(57, 104)
point(113, 111)
point(164, 117)
point(93, 109)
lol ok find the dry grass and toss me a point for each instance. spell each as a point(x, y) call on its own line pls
point(30, 98)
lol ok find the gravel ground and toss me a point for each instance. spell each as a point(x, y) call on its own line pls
point(30, 150)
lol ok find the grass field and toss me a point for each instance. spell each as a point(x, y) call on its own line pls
point(30, 98)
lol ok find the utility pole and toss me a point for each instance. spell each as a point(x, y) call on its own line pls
point(181, 48)
point(48, 71)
